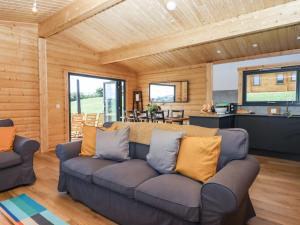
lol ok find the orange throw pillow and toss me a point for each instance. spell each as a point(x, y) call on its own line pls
point(7, 137)
point(88, 146)
point(198, 157)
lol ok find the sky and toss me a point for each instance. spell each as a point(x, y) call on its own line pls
point(159, 91)
point(88, 85)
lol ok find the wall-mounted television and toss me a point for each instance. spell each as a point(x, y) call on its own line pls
point(168, 92)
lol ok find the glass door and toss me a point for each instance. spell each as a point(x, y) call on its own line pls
point(110, 101)
point(93, 101)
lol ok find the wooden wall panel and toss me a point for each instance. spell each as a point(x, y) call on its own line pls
point(65, 56)
point(197, 77)
point(19, 81)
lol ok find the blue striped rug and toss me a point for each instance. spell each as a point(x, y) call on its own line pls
point(22, 210)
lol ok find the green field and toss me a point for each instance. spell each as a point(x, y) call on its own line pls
point(271, 96)
point(89, 105)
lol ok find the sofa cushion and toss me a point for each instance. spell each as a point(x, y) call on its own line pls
point(84, 167)
point(9, 159)
point(124, 177)
point(173, 193)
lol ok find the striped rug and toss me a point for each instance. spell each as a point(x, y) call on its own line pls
point(22, 210)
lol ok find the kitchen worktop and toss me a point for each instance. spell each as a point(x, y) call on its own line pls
point(214, 115)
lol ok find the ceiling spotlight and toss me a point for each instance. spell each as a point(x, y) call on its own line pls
point(171, 5)
point(34, 7)
point(219, 51)
point(254, 45)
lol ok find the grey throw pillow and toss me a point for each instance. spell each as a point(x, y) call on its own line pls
point(164, 149)
point(113, 145)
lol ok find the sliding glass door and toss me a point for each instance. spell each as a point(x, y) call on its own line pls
point(93, 101)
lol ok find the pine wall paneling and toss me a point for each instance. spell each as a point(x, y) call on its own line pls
point(19, 80)
point(64, 56)
point(196, 75)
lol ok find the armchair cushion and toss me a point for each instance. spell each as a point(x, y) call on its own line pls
point(7, 136)
point(9, 159)
point(172, 193)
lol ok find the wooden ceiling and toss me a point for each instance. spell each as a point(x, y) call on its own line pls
point(134, 21)
point(121, 25)
point(20, 10)
point(267, 42)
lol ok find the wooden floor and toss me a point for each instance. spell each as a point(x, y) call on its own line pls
point(275, 194)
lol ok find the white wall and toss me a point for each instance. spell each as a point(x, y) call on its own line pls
point(225, 76)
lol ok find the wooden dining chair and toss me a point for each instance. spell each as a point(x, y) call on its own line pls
point(77, 121)
point(177, 113)
point(90, 119)
point(158, 117)
point(143, 116)
point(130, 116)
point(100, 120)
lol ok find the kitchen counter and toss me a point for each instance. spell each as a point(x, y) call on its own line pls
point(268, 133)
point(214, 115)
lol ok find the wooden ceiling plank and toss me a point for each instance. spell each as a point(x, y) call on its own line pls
point(72, 14)
point(271, 18)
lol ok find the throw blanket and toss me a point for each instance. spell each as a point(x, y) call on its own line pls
point(142, 132)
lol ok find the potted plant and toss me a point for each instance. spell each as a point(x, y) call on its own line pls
point(153, 108)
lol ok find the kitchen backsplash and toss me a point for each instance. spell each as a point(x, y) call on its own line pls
point(231, 96)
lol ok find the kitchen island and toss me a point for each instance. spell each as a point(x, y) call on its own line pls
point(269, 134)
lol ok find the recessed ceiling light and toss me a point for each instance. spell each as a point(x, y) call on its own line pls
point(298, 38)
point(254, 45)
point(171, 5)
point(219, 51)
point(34, 7)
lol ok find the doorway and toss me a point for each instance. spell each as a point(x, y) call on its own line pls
point(93, 101)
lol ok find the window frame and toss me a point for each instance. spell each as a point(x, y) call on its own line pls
point(279, 81)
point(266, 71)
point(292, 80)
point(259, 80)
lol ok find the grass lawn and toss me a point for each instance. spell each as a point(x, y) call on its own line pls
point(271, 96)
point(89, 105)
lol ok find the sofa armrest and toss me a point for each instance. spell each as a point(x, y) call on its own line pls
point(68, 150)
point(225, 192)
point(25, 147)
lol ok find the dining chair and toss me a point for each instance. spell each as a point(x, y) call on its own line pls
point(177, 113)
point(143, 116)
point(158, 117)
point(130, 116)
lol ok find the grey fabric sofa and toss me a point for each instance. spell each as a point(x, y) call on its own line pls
point(133, 193)
point(16, 167)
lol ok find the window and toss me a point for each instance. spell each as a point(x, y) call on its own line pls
point(273, 86)
point(162, 93)
point(256, 80)
point(294, 76)
point(280, 79)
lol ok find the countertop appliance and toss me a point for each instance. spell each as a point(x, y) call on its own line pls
point(232, 107)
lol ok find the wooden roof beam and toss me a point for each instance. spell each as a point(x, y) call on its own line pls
point(270, 18)
point(72, 14)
